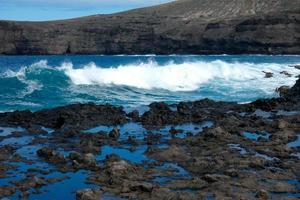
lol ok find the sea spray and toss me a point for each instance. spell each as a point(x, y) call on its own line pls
point(187, 76)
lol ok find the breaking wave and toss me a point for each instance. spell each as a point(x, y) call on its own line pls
point(135, 82)
point(187, 76)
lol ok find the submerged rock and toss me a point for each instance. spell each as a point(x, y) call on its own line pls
point(115, 133)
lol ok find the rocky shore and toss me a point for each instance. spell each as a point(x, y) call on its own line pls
point(190, 150)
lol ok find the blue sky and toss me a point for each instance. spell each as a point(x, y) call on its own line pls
point(40, 10)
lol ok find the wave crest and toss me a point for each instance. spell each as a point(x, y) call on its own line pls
point(187, 76)
point(23, 72)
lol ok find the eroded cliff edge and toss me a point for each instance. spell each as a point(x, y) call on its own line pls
point(180, 27)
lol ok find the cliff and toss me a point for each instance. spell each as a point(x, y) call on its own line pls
point(180, 27)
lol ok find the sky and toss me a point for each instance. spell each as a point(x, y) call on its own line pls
point(42, 10)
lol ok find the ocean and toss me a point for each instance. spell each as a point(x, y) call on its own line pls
point(38, 82)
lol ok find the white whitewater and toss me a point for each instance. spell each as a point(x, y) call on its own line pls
point(187, 76)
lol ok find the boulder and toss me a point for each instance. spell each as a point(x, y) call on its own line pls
point(89, 159)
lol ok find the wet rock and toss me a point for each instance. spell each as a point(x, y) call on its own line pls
point(282, 124)
point(211, 178)
point(118, 167)
point(173, 153)
point(38, 182)
point(57, 179)
point(69, 132)
point(35, 129)
point(51, 155)
point(268, 74)
point(46, 152)
point(262, 195)
point(89, 159)
point(75, 156)
point(115, 133)
point(193, 184)
point(167, 194)
point(295, 90)
point(286, 73)
point(31, 182)
point(139, 186)
point(152, 138)
point(216, 132)
point(6, 191)
point(265, 104)
point(282, 187)
point(174, 131)
point(76, 115)
point(134, 115)
point(132, 140)
point(183, 108)
point(6, 152)
point(296, 66)
point(160, 114)
point(76, 164)
point(92, 145)
point(24, 195)
point(82, 160)
point(232, 173)
point(283, 90)
point(88, 194)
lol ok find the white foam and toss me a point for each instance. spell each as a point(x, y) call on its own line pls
point(21, 75)
point(187, 76)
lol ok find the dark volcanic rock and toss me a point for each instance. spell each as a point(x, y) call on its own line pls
point(295, 90)
point(182, 27)
point(268, 74)
point(77, 115)
point(248, 152)
point(115, 133)
point(88, 194)
point(283, 90)
point(51, 155)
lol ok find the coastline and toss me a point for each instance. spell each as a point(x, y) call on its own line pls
point(179, 27)
point(190, 150)
point(187, 100)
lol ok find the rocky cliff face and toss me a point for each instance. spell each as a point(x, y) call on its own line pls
point(180, 27)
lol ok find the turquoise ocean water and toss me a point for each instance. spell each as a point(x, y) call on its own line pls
point(37, 82)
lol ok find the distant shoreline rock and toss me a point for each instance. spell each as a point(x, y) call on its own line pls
point(179, 27)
